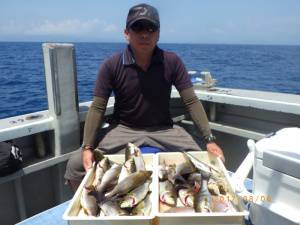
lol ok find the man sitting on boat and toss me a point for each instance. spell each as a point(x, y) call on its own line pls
point(141, 78)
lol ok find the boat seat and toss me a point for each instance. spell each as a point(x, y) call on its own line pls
point(149, 149)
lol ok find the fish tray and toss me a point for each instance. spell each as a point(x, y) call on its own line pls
point(71, 213)
point(193, 218)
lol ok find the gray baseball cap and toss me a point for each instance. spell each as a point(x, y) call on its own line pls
point(142, 12)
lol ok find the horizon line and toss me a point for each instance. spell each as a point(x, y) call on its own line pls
point(175, 43)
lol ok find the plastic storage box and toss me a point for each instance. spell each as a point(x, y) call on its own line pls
point(152, 161)
point(71, 213)
point(200, 218)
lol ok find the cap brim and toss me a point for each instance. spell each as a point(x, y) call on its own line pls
point(142, 18)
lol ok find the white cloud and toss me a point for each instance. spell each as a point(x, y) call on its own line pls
point(11, 27)
point(110, 28)
point(64, 27)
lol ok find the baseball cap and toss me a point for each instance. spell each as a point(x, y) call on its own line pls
point(142, 12)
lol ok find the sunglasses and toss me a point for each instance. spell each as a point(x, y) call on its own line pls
point(143, 26)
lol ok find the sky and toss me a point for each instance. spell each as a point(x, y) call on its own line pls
point(189, 21)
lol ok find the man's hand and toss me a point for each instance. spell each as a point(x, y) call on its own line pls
point(87, 158)
point(213, 148)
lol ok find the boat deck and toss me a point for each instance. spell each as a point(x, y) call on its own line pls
point(51, 216)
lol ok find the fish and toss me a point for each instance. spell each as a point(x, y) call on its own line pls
point(162, 171)
point(204, 169)
point(98, 155)
point(127, 168)
point(135, 196)
point(172, 176)
point(129, 183)
point(194, 177)
point(213, 187)
point(185, 167)
point(202, 199)
point(186, 196)
point(109, 179)
point(88, 202)
point(167, 193)
point(112, 208)
point(132, 150)
point(101, 168)
point(101, 213)
point(139, 163)
point(223, 186)
point(144, 207)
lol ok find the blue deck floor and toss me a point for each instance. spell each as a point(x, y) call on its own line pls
point(54, 215)
point(51, 216)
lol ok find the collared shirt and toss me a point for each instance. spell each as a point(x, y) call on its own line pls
point(142, 98)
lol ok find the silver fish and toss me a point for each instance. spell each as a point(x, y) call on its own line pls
point(185, 167)
point(186, 196)
point(89, 202)
point(223, 186)
point(98, 155)
point(127, 168)
point(181, 169)
point(167, 193)
point(144, 207)
point(194, 177)
point(171, 169)
point(101, 168)
point(202, 199)
point(162, 171)
point(101, 213)
point(129, 183)
point(139, 163)
point(205, 169)
point(132, 150)
point(109, 178)
point(112, 208)
point(195, 180)
point(213, 187)
point(135, 196)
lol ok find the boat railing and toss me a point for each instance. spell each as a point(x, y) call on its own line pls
point(50, 137)
point(65, 117)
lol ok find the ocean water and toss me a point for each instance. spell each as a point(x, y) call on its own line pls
point(254, 67)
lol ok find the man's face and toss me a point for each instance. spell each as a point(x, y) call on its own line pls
point(142, 36)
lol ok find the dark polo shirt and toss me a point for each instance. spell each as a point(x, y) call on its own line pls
point(142, 98)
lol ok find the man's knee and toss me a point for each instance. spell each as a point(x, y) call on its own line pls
point(74, 170)
point(74, 184)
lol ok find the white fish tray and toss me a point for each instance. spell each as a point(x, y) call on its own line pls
point(193, 218)
point(71, 213)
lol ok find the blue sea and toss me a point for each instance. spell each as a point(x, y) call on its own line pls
point(255, 67)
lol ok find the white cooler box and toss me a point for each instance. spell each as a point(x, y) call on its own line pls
point(276, 179)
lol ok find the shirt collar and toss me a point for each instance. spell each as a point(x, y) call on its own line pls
point(128, 57)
